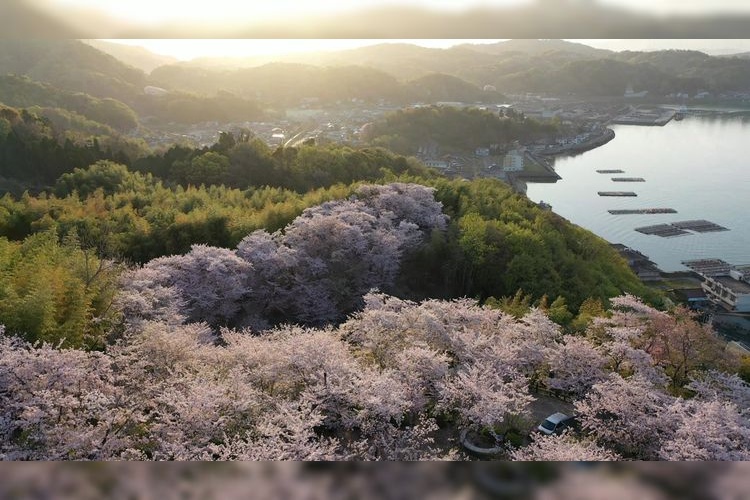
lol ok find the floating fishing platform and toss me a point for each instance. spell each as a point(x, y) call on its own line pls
point(680, 228)
point(663, 230)
point(643, 211)
point(616, 193)
point(700, 226)
point(628, 179)
point(615, 171)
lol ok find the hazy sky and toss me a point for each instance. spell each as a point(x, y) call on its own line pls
point(189, 49)
point(368, 19)
point(155, 11)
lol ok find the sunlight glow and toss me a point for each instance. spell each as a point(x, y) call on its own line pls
point(186, 49)
point(154, 12)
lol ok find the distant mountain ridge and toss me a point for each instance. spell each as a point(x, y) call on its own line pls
point(554, 66)
point(397, 73)
point(71, 65)
point(135, 56)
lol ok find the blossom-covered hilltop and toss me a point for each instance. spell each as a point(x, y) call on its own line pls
point(204, 365)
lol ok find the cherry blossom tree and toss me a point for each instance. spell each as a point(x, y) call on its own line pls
point(626, 415)
point(273, 283)
point(562, 447)
point(370, 388)
point(575, 366)
point(676, 342)
point(287, 434)
point(482, 397)
point(145, 296)
point(408, 442)
point(210, 281)
point(707, 430)
point(713, 385)
point(58, 404)
point(627, 360)
point(407, 202)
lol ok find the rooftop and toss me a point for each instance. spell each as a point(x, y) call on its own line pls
point(739, 287)
point(692, 293)
point(708, 267)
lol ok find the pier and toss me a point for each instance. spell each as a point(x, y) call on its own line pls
point(616, 193)
point(654, 117)
point(628, 179)
point(643, 211)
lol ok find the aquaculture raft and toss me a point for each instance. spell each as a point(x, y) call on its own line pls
point(663, 230)
point(680, 228)
point(642, 211)
point(617, 193)
point(699, 226)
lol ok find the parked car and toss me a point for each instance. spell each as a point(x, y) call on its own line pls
point(556, 423)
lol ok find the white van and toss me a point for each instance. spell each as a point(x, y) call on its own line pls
point(555, 423)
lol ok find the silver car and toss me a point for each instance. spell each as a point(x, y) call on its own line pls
point(555, 423)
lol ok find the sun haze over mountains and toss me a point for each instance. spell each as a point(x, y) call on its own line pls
point(375, 19)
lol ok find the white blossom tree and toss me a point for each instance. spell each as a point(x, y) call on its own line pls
point(562, 447)
point(210, 281)
point(482, 397)
point(58, 404)
point(708, 431)
point(626, 415)
point(575, 366)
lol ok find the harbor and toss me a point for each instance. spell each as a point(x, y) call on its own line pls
point(648, 117)
point(696, 166)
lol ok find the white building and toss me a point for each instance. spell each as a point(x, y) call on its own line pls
point(726, 285)
point(513, 161)
point(733, 294)
point(436, 163)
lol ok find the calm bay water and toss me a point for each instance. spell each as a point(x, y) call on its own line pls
point(699, 166)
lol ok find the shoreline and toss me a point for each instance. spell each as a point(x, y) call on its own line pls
point(574, 149)
point(541, 158)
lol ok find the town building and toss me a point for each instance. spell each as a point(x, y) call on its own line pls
point(513, 161)
point(725, 284)
point(436, 163)
point(640, 264)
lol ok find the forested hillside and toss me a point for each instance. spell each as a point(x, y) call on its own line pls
point(73, 75)
point(71, 65)
point(22, 92)
point(281, 84)
point(455, 130)
point(38, 145)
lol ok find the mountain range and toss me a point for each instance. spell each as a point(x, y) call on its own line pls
point(401, 73)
